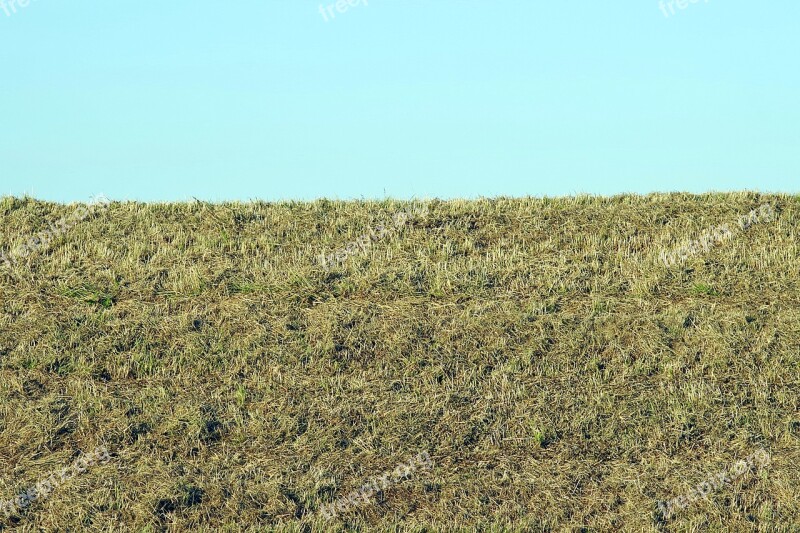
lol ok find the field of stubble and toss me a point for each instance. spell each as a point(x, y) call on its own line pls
point(559, 376)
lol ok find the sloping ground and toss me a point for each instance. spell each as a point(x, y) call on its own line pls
point(556, 373)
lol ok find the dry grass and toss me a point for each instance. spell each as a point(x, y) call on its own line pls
point(560, 377)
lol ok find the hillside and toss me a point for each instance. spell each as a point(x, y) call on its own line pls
point(516, 364)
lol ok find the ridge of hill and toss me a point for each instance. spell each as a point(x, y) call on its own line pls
point(508, 364)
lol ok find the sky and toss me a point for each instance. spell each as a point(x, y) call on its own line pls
point(411, 99)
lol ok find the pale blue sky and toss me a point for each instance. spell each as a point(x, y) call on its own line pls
point(440, 98)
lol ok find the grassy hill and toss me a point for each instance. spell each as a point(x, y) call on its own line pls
point(520, 364)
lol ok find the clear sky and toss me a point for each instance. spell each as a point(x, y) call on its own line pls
point(280, 99)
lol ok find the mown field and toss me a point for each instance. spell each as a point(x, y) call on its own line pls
point(557, 373)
